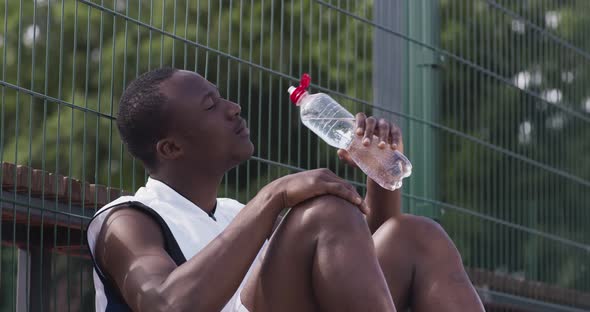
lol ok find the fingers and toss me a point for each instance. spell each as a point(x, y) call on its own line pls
point(344, 156)
point(360, 123)
point(384, 133)
point(370, 124)
point(388, 133)
point(326, 175)
point(348, 193)
point(327, 182)
point(330, 177)
point(395, 136)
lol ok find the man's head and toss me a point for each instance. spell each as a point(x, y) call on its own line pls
point(171, 118)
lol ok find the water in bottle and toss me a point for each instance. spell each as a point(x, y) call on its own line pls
point(336, 126)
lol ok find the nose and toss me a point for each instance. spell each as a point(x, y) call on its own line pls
point(234, 109)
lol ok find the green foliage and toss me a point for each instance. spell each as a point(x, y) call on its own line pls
point(503, 113)
point(83, 57)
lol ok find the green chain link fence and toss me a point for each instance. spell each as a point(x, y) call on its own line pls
point(493, 97)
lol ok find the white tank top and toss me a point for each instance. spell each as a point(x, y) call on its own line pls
point(191, 227)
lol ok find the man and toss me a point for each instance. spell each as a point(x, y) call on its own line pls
point(175, 246)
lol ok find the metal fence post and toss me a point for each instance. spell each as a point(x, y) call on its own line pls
point(405, 79)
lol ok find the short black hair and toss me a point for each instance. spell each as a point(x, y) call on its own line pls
point(140, 121)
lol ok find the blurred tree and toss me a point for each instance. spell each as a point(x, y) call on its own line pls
point(539, 109)
point(82, 54)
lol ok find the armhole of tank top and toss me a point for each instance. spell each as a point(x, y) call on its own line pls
point(170, 244)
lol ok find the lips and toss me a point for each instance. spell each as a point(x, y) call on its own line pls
point(242, 129)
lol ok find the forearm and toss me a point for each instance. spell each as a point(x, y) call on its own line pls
point(208, 280)
point(383, 204)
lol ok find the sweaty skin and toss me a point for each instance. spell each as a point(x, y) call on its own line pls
point(325, 255)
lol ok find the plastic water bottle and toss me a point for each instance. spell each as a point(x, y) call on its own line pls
point(336, 126)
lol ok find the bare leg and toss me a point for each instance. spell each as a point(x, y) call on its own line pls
point(395, 251)
point(321, 258)
point(423, 267)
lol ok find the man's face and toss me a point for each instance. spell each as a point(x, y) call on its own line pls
point(207, 127)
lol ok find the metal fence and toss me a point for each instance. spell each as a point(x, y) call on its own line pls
point(492, 96)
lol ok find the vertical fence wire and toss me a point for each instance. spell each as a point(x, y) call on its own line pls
point(510, 131)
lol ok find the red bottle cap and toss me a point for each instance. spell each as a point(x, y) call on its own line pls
point(301, 89)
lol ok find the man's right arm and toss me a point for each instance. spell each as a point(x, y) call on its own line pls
point(130, 248)
point(131, 251)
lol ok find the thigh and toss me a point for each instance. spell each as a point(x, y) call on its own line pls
point(281, 280)
point(440, 281)
point(395, 252)
point(321, 255)
point(422, 267)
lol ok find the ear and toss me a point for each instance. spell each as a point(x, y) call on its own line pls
point(168, 149)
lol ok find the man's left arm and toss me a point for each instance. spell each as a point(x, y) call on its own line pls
point(383, 204)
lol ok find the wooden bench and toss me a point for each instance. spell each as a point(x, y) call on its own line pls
point(34, 200)
point(44, 215)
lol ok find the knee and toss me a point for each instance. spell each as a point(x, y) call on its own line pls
point(430, 237)
point(328, 212)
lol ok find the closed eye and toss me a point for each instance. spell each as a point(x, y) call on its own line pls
point(212, 100)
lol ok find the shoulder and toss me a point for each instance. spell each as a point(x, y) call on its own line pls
point(130, 253)
point(130, 222)
point(127, 230)
point(117, 202)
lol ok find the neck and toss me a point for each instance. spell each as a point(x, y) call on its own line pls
point(200, 189)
